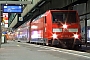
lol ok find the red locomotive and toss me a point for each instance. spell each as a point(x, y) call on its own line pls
point(57, 27)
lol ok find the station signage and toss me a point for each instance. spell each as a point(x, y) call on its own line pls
point(12, 8)
point(5, 19)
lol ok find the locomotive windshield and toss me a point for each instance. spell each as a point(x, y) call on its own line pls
point(69, 17)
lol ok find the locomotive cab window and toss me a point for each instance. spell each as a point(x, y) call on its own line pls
point(67, 16)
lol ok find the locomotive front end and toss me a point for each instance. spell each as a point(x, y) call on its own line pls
point(66, 28)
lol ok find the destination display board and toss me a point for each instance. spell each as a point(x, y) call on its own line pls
point(12, 8)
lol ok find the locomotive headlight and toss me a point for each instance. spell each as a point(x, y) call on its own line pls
point(54, 36)
point(75, 36)
point(64, 26)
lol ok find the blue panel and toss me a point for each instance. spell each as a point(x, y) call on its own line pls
point(4, 32)
point(12, 9)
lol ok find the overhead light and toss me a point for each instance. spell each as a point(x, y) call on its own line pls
point(6, 4)
point(18, 29)
point(33, 10)
point(41, 3)
point(77, 4)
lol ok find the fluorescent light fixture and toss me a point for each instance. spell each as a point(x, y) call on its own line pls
point(41, 3)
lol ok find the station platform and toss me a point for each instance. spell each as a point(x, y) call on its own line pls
point(12, 51)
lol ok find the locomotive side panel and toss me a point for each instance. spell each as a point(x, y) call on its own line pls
point(48, 25)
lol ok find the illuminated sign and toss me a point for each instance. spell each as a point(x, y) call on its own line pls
point(5, 19)
point(12, 8)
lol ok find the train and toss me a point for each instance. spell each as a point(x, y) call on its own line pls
point(56, 28)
